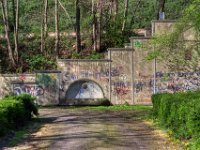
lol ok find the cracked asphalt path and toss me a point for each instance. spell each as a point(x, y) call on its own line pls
point(87, 129)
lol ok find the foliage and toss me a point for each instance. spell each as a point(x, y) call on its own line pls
point(40, 62)
point(76, 55)
point(173, 46)
point(179, 112)
point(140, 15)
point(15, 111)
point(94, 56)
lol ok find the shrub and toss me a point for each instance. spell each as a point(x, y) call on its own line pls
point(40, 62)
point(15, 111)
point(179, 112)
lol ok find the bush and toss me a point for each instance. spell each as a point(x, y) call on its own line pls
point(179, 112)
point(40, 62)
point(15, 111)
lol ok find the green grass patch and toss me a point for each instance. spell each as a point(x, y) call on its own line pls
point(118, 107)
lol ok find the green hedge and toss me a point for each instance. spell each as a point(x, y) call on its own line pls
point(15, 111)
point(179, 112)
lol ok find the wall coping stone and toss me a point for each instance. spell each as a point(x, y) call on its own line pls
point(135, 37)
point(48, 71)
point(121, 49)
point(21, 82)
point(164, 21)
point(17, 74)
point(84, 60)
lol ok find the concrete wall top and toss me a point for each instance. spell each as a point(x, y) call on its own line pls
point(120, 49)
point(163, 21)
point(84, 60)
point(140, 38)
point(48, 71)
point(14, 75)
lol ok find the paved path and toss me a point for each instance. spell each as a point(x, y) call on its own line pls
point(79, 129)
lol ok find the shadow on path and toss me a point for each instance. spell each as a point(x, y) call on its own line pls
point(82, 129)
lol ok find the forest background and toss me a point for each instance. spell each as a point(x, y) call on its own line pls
point(33, 34)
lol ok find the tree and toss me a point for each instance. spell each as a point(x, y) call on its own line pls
point(44, 25)
point(97, 20)
point(16, 31)
point(56, 28)
point(180, 54)
point(77, 26)
point(6, 27)
point(125, 15)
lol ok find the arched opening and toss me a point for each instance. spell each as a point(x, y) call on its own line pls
point(84, 89)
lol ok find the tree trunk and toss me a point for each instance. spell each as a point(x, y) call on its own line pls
point(125, 15)
point(42, 33)
point(56, 29)
point(7, 14)
point(44, 26)
point(13, 13)
point(99, 19)
point(10, 52)
point(78, 35)
point(94, 25)
point(114, 8)
point(46, 18)
point(16, 31)
point(161, 8)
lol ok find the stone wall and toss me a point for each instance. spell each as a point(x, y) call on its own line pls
point(165, 81)
point(49, 81)
point(121, 75)
point(44, 86)
point(166, 26)
point(83, 80)
point(7, 80)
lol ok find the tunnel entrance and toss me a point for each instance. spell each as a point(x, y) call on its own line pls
point(84, 89)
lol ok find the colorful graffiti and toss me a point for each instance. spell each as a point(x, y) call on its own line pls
point(174, 82)
point(121, 88)
point(32, 89)
point(22, 77)
point(47, 80)
point(170, 82)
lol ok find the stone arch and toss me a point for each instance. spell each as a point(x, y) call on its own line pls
point(84, 89)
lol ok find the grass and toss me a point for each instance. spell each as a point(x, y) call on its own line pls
point(140, 111)
point(118, 107)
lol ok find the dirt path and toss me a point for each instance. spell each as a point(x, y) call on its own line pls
point(79, 129)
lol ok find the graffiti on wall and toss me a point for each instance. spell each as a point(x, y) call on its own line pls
point(121, 88)
point(120, 84)
point(32, 89)
point(48, 80)
point(50, 83)
point(174, 82)
point(73, 73)
point(170, 82)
